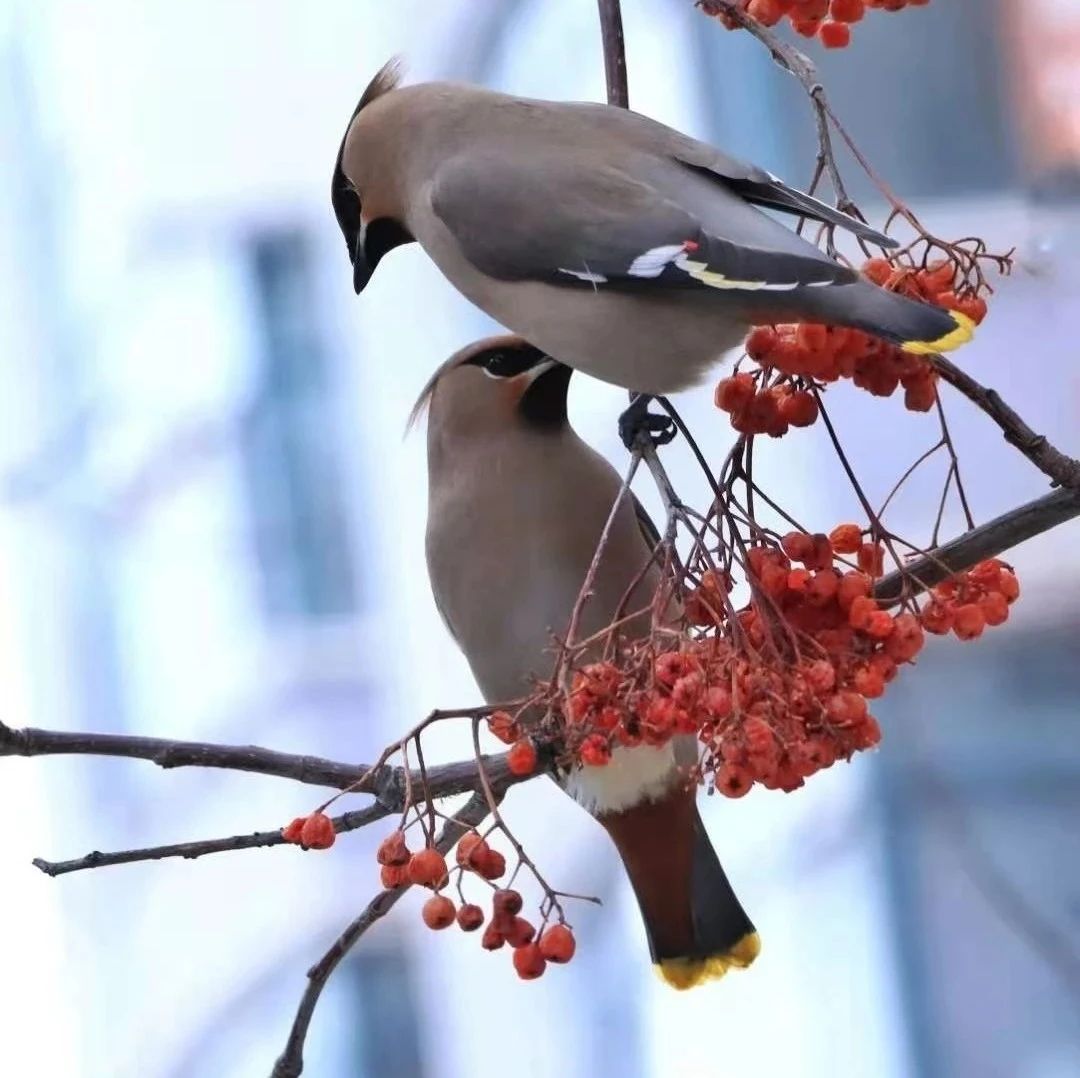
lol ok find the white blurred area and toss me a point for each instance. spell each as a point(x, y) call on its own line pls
point(211, 527)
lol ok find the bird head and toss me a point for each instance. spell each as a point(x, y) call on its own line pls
point(363, 205)
point(495, 385)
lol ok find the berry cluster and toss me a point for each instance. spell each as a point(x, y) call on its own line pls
point(792, 358)
point(967, 603)
point(427, 868)
point(313, 832)
point(828, 20)
point(779, 689)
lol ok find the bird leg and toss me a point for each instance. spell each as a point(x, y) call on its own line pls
point(637, 420)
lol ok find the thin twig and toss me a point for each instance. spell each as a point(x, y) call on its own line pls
point(611, 34)
point(1063, 470)
point(348, 821)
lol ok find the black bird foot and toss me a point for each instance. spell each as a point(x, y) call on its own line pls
point(637, 422)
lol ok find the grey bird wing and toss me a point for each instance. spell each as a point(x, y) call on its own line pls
point(550, 219)
point(761, 188)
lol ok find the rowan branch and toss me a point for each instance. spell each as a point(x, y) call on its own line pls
point(1062, 469)
point(987, 541)
point(348, 821)
point(386, 783)
point(611, 34)
point(291, 1062)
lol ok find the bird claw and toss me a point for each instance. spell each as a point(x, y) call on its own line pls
point(637, 422)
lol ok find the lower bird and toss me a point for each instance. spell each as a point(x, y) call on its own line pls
point(517, 504)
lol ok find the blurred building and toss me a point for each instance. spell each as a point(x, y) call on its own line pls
point(211, 528)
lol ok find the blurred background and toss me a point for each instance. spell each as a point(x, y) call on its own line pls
point(211, 527)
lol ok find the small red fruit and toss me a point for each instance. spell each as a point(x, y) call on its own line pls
point(393, 850)
point(520, 932)
point(438, 912)
point(529, 962)
point(506, 902)
point(291, 832)
point(394, 876)
point(317, 832)
point(557, 944)
point(492, 939)
point(427, 867)
point(521, 759)
point(470, 917)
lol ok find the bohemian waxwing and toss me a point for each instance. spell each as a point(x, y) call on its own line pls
point(517, 503)
point(628, 250)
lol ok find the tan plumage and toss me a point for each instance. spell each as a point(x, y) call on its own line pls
point(517, 503)
point(629, 250)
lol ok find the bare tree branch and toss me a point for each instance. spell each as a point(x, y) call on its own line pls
point(348, 821)
point(611, 32)
point(1062, 469)
point(386, 783)
point(291, 1062)
point(991, 539)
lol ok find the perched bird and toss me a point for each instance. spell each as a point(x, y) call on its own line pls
point(517, 503)
point(630, 251)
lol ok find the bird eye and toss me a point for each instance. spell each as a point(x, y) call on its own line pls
point(507, 362)
point(498, 364)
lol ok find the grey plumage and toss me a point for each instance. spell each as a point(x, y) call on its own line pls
point(631, 251)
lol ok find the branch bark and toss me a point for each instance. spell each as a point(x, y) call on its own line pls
point(611, 33)
point(348, 821)
point(1062, 469)
point(991, 539)
point(386, 783)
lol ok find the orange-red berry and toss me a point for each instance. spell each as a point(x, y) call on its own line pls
point(557, 944)
point(438, 912)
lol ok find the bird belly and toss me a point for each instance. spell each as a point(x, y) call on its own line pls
point(656, 343)
point(633, 775)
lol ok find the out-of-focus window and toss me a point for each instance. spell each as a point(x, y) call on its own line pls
point(300, 526)
point(982, 796)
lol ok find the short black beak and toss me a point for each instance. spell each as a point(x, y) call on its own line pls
point(373, 240)
point(362, 270)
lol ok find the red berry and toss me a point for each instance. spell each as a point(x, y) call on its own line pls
point(438, 912)
point(969, 621)
point(595, 751)
point(529, 962)
point(393, 850)
point(521, 759)
point(506, 902)
point(493, 865)
point(427, 867)
point(492, 939)
point(291, 832)
point(846, 538)
point(519, 933)
point(394, 876)
point(503, 727)
point(317, 832)
point(470, 917)
point(557, 944)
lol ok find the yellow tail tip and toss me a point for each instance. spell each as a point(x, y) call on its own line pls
point(961, 334)
point(683, 973)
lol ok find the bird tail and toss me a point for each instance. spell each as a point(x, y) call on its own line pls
point(916, 327)
point(696, 926)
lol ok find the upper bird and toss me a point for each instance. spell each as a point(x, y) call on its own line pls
point(630, 251)
point(516, 506)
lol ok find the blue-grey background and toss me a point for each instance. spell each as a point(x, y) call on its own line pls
point(211, 527)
